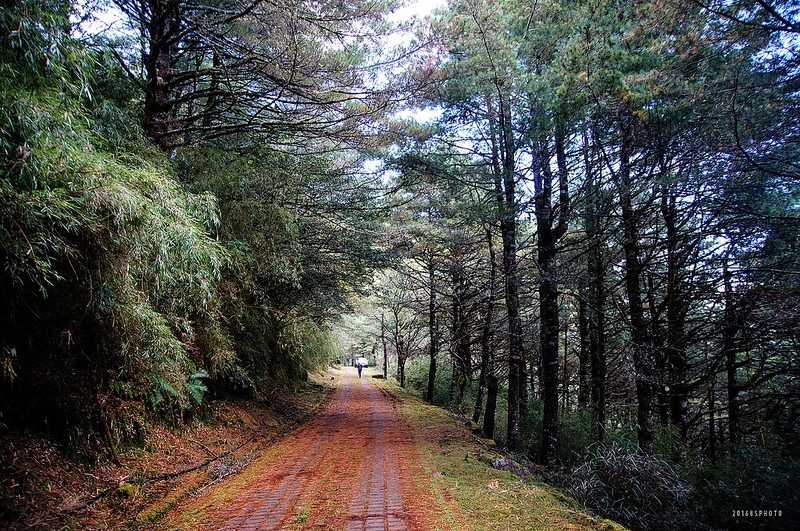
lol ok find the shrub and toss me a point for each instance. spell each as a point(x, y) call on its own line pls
point(751, 478)
point(640, 491)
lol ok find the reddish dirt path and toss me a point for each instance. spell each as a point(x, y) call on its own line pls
point(348, 469)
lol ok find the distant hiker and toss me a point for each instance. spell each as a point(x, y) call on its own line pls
point(361, 363)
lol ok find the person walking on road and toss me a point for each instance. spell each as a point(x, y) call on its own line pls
point(361, 363)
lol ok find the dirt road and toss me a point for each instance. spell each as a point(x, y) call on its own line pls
point(348, 469)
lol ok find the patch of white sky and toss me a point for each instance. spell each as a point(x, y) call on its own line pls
point(415, 8)
point(103, 17)
point(408, 16)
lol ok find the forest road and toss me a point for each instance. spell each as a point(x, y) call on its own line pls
point(350, 469)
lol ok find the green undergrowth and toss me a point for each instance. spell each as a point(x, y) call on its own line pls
point(472, 494)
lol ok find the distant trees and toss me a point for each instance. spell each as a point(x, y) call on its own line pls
point(444, 232)
point(401, 324)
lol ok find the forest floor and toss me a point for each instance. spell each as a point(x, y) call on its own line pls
point(367, 457)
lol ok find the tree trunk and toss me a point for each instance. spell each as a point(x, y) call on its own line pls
point(464, 357)
point(503, 165)
point(461, 336)
point(597, 343)
point(451, 394)
point(565, 379)
point(401, 365)
point(676, 314)
point(491, 407)
point(712, 433)
point(508, 229)
point(524, 386)
point(730, 352)
point(595, 297)
point(385, 351)
point(659, 343)
point(549, 332)
point(433, 347)
point(486, 335)
point(584, 384)
point(640, 341)
point(598, 372)
point(549, 327)
point(162, 36)
point(213, 92)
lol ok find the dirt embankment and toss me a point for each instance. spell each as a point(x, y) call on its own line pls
point(42, 488)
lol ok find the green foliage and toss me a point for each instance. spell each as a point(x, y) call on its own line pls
point(108, 264)
point(314, 344)
point(575, 434)
point(153, 266)
point(298, 230)
point(304, 225)
point(756, 477)
point(153, 274)
point(417, 381)
point(7, 365)
point(38, 49)
point(44, 73)
point(37, 232)
point(101, 244)
point(195, 386)
point(640, 491)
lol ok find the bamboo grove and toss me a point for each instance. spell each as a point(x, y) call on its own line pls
point(163, 240)
point(592, 250)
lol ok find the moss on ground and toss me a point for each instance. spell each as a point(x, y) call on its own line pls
point(479, 497)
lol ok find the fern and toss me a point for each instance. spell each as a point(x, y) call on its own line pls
point(195, 386)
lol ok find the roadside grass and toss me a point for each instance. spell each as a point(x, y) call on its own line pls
point(470, 493)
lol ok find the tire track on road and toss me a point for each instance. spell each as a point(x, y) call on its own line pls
point(273, 502)
point(346, 470)
point(380, 507)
